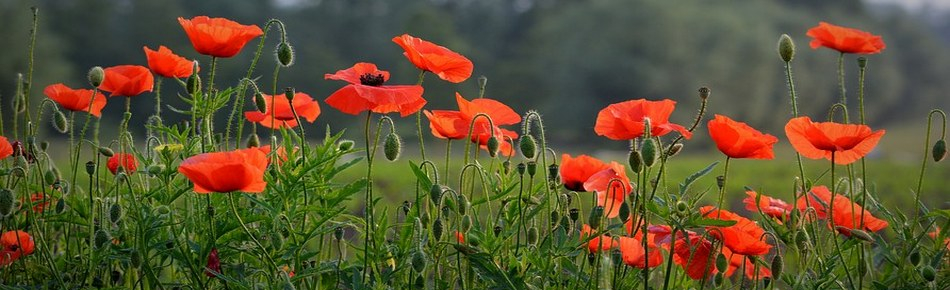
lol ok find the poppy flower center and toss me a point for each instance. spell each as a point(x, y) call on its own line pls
point(374, 80)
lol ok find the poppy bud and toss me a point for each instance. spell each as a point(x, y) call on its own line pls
point(60, 205)
point(51, 176)
point(675, 150)
point(596, 214)
point(59, 122)
point(95, 76)
point(521, 168)
point(115, 213)
point(482, 82)
point(915, 258)
point(6, 202)
point(553, 171)
point(635, 161)
point(940, 150)
point(116, 277)
point(496, 230)
point(285, 54)
point(801, 239)
point(574, 213)
point(492, 146)
point(435, 193)
point(406, 206)
point(392, 146)
point(345, 145)
point(289, 93)
point(682, 207)
point(862, 62)
point(778, 264)
point(464, 204)
point(721, 262)
point(253, 141)
point(193, 84)
point(214, 263)
point(106, 151)
point(259, 102)
point(135, 258)
point(786, 48)
point(44, 145)
point(532, 235)
point(720, 181)
point(437, 229)
point(647, 128)
point(155, 169)
point(928, 273)
point(649, 152)
point(418, 261)
point(528, 146)
point(90, 168)
point(718, 279)
point(506, 167)
point(466, 223)
point(102, 238)
point(532, 168)
point(862, 235)
point(338, 233)
point(704, 93)
point(624, 209)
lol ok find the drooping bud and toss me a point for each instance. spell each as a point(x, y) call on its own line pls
point(285, 54)
point(259, 102)
point(506, 167)
point(574, 213)
point(437, 229)
point(649, 152)
point(778, 264)
point(532, 235)
point(115, 213)
point(635, 161)
point(914, 258)
point(106, 151)
point(928, 273)
point(786, 48)
point(253, 140)
point(6, 202)
point(418, 261)
point(392, 146)
point(532, 168)
point(464, 204)
point(59, 122)
point(435, 193)
point(44, 145)
point(862, 235)
point(940, 150)
point(674, 150)
point(51, 176)
point(624, 209)
point(801, 239)
point(95, 76)
point(718, 279)
point(155, 169)
point(60, 205)
point(345, 145)
point(466, 223)
point(193, 84)
point(596, 215)
point(102, 238)
point(492, 146)
point(528, 146)
point(721, 263)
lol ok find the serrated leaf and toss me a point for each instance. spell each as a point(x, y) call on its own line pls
point(693, 177)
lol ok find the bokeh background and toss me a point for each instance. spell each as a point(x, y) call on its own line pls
point(565, 58)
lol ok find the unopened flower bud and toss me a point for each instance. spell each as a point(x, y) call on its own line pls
point(778, 264)
point(435, 193)
point(115, 213)
point(721, 262)
point(532, 168)
point(718, 279)
point(492, 146)
point(624, 210)
point(60, 205)
point(44, 145)
point(596, 215)
point(59, 122)
point(102, 238)
point(285, 54)
point(253, 141)
point(155, 169)
point(345, 145)
point(6, 202)
point(392, 146)
point(506, 167)
point(259, 102)
point(95, 76)
point(528, 146)
point(915, 258)
point(106, 151)
point(801, 239)
point(928, 273)
point(532, 235)
point(463, 204)
point(437, 229)
point(635, 161)
point(786, 48)
point(940, 150)
point(649, 152)
point(193, 84)
point(674, 150)
point(51, 176)
point(418, 261)
point(647, 128)
point(466, 223)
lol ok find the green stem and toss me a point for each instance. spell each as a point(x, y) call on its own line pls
point(248, 232)
point(29, 72)
point(422, 145)
point(841, 86)
point(831, 219)
point(722, 189)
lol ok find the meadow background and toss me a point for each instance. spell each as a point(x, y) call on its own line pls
point(566, 59)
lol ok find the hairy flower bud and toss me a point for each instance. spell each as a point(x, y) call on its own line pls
point(392, 146)
point(492, 146)
point(106, 151)
point(115, 213)
point(721, 263)
point(95, 76)
point(649, 152)
point(624, 209)
point(928, 273)
point(915, 258)
point(862, 235)
point(259, 102)
point(635, 161)
point(532, 235)
point(786, 48)
point(59, 122)
point(345, 145)
point(940, 150)
point(102, 238)
point(596, 215)
point(437, 229)
point(674, 150)
point(6, 202)
point(418, 261)
point(528, 146)
point(778, 264)
point(285, 54)
point(435, 193)
point(466, 223)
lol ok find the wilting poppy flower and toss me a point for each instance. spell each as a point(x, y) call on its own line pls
point(624, 120)
point(218, 37)
point(597, 244)
point(278, 114)
point(125, 160)
point(456, 124)
point(848, 142)
point(738, 140)
point(127, 80)
point(696, 255)
point(847, 214)
point(744, 237)
point(39, 201)
point(366, 92)
point(16, 244)
point(844, 39)
point(76, 99)
point(427, 56)
point(631, 249)
point(769, 206)
point(576, 171)
point(168, 64)
point(238, 170)
point(611, 186)
point(6, 149)
point(213, 267)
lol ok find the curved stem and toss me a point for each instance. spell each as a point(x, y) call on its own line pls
point(923, 163)
point(248, 231)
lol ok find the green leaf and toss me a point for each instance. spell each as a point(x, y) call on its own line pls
point(487, 269)
point(693, 177)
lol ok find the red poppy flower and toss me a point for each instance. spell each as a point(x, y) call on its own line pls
point(936, 233)
point(847, 214)
point(427, 56)
point(737, 261)
point(844, 39)
point(218, 37)
point(16, 244)
point(624, 120)
point(281, 152)
point(168, 64)
point(238, 170)
point(633, 254)
point(611, 186)
point(39, 201)
point(769, 206)
point(818, 140)
point(738, 140)
point(597, 244)
point(456, 124)
point(696, 255)
point(278, 113)
point(366, 92)
point(459, 237)
point(576, 171)
point(76, 99)
point(125, 160)
point(6, 149)
point(744, 237)
point(213, 267)
point(127, 80)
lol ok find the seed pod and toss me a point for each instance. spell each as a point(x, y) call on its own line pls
point(285, 54)
point(720, 181)
point(406, 206)
point(721, 263)
point(95, 76)
point(437, 229)
point(497, 230)
point(532, 235)
point(115, 213)
point(392, 147)
point(290, 93)
point(574, 213)
point(778, 264)
point(345, 145)
point(915, 258)
point(59, 122)
point(528, 146)
point(6, 202)
point(521, 168)
point(492, 146)
point(675, 150)
point(786, 48)
point(259, 102)
point(553, 171)
point(102, 238)
point(862, 62)
point(466, 223)
point(532, 168)
point(253, 141)
point(940, 150)
point(596, 215)
point(106, 151)
point(419, 261)
point(704, 92)
point(649, 152)
point(338, 233)
point(506, 167)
